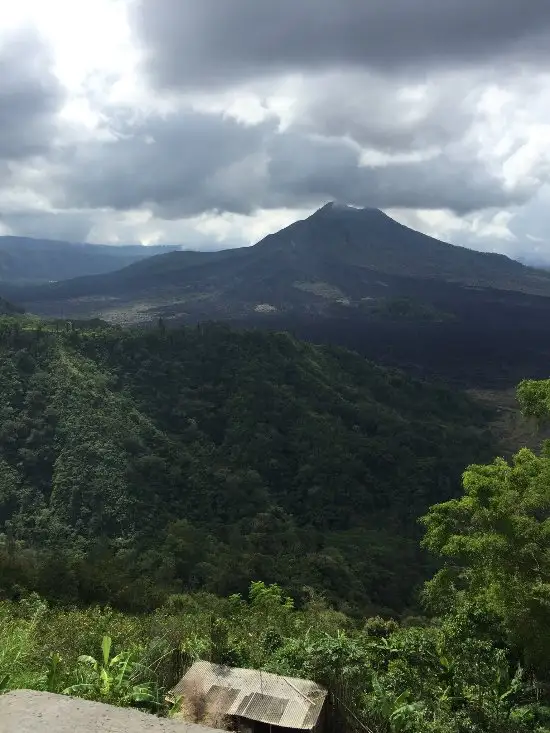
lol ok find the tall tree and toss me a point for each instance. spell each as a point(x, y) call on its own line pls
point(496, 541)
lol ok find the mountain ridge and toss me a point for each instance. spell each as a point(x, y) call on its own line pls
point(332, 213)
point(344, 276)
point(31, 260)
point(336, 255)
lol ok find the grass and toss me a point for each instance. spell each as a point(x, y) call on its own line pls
point(18, 646)
point(99, 653)
point(42, 649)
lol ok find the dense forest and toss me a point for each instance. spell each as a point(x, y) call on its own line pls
point(477, 664)
point(137, 464)
point(243, 497)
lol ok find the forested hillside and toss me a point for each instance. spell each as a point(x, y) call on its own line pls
point(174, 472)
point(136, 464)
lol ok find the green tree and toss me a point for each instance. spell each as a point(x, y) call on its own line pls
point(495, 541)
point(114, 679)
point(9, 486)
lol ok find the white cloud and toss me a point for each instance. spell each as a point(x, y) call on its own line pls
point(87, 37)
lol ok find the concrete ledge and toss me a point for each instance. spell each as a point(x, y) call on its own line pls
point(26, 711)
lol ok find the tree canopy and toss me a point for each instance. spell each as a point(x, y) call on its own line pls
point(245, 490)
point(206, 457)
point(496, 541)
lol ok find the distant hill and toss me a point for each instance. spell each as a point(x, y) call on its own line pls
point(26, 260)
point(9, 309)
point(535, 260)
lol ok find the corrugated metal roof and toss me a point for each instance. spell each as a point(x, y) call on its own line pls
point(287, 702)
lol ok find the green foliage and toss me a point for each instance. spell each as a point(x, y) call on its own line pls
point(269, 600)
point(493, 593)
point(446, 677)
point(496, 539)
point(137, 465)
point(534, 398)
point(379, 627)
point(112, 679)
point(167, 471)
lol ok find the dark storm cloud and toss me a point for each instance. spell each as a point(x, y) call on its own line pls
point(381, 115)
point(192, 163)
point(66, 226)
point(30, 96)
point(307, 170)
point(196, 43)
point(394, 77)
point(180, 165)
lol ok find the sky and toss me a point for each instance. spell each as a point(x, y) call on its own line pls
point(212, 123)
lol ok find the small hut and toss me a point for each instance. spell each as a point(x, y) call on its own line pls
point(250, 700)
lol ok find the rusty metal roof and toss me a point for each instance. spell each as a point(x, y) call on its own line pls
point(287, 702)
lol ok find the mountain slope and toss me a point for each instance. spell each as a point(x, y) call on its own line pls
point(345, 276)
point(338, 256)
point(8, 309)
point(207, 457)
point(25, 260)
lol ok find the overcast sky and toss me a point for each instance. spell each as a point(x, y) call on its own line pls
point(213, 122)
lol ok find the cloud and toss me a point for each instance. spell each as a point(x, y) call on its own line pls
point(190, 162)
point(179, 165)
point(251, 114)
point(386, 114)
point(309, 170)
point(396, 103)
point(103, 226)
point(194, 44)
point(30, 96)
point(64, 226)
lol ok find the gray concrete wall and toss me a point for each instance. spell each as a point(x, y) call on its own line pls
point(24, 711)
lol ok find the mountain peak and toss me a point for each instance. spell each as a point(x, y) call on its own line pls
point(337, 207)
